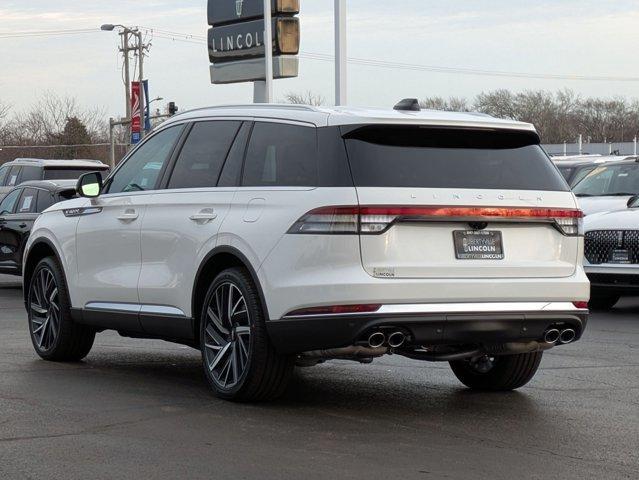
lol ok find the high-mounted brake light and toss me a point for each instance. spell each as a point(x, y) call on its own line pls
point(377, 219)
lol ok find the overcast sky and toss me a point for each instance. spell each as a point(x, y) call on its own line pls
point(585, 37)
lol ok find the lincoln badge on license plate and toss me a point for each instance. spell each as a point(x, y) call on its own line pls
point(478, 245)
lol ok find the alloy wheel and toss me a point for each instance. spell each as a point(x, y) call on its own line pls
point(227, 343)
point(44, 309)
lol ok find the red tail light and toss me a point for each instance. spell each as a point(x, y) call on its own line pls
point(377, 219)
point(583, 305)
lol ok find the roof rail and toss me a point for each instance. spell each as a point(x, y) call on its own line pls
point(265, 106)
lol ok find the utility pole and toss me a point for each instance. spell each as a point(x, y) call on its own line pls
point(127, 74)
point(341, 83)
point(138, 48)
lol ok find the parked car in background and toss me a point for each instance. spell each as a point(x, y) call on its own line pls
point(275, 235)
point(27, 169)
point(19, 209)
point(608, 187)
point(574, 169)
point(611, 247)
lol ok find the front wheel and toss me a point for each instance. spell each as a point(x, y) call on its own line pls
point(239, 361)
point(55, 336)
point(501, 373)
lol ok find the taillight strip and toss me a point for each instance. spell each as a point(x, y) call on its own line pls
point(471, 212)
point(376, 219)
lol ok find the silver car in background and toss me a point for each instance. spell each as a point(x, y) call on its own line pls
point(608, 187)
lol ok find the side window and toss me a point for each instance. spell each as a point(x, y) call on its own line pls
point(9, 202)
point(30, 173)
point(281, 155)
point(142, 169)
point(28, 200)
point(45, 200)
point(3, 174)
point(203, 154)
point(230, 176)
point(12, 178)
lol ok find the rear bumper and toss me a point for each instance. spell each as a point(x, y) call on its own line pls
point(429, 324)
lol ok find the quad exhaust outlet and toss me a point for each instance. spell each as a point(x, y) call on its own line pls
point(567, 335)
point(552, 335)
point(376, 340)
point(396, 339)
point(561, 337)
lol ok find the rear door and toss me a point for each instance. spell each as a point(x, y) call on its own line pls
point(18, 226)
point(440, 203)
point(7, 236)
point(181, 225)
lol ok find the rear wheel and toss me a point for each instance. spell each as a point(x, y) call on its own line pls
point(602, 301)
point(239, 361)
point(501, 373)
point(55, 336)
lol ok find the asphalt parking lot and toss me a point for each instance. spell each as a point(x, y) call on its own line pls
point(142, 409)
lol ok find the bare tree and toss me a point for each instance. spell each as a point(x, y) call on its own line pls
point(46, 119)
point(4, 113)
point(306, 98)
point(558, 117)
point(453, 104)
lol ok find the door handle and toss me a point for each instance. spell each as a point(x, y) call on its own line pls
point(204, 216)
point(128, 216)
point(23, 225)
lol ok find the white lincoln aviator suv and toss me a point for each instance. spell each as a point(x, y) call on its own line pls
point(270, 236)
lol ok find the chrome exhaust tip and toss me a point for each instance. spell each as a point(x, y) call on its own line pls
point(376, 340)
point(567, 336)
point(396, 339)
point(552, 335)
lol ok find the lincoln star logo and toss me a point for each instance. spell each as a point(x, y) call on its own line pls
point(239, 6)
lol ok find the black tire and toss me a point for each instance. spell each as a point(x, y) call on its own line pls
point(602, 301)
point(239, 361)
point(503, 373)
point(55, 336)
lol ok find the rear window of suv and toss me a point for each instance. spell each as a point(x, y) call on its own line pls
point(67, 173)
point(426, 157)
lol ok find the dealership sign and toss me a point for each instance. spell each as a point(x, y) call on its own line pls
point(236, 39)
point(222, 12)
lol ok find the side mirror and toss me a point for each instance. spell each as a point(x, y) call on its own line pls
point(90, 185)
point(632, 201)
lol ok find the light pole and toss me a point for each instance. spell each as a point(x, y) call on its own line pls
point(139, 47)
point(341, 84)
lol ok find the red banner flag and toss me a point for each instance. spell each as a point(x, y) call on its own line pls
point(136, 122)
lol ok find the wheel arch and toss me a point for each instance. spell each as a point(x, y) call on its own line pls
point(40, 248)
point(217, 260)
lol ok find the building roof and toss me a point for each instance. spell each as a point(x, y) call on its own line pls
point(332, 116)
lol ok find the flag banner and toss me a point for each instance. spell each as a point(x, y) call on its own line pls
point(136, 117)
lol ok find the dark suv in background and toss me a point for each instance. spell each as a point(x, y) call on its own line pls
point(19, 209)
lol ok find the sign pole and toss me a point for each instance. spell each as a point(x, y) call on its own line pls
point(268, 47)
point(341, 83)
point(142, 101)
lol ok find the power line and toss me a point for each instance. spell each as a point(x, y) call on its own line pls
point(200, 40)
point(367, 62)
point(48, 33)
